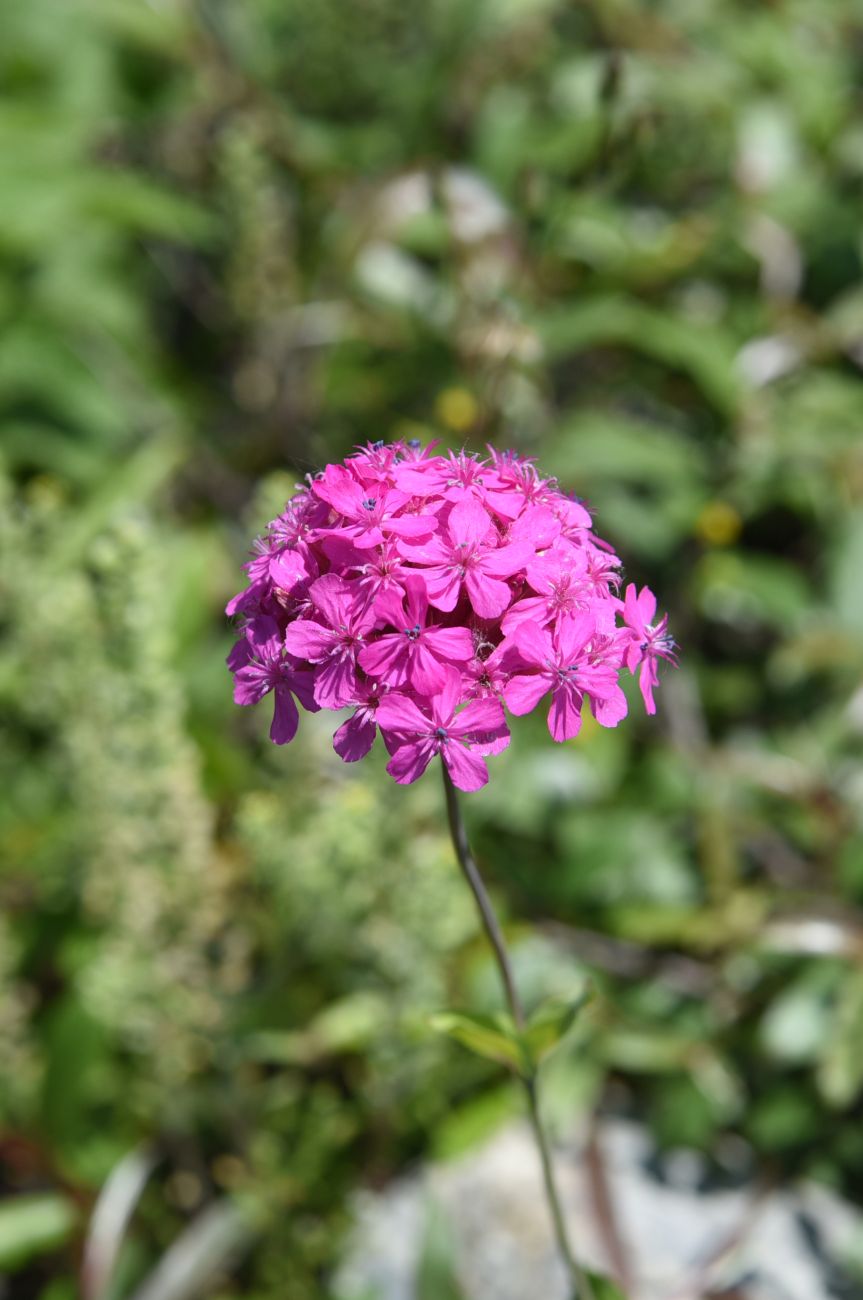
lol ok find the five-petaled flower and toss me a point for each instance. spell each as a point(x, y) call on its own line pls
point(468, 556)
point(332, 644)
point(571, 663)
point(650, 641)
point(420, 732)
point(263, 665)
point(415, 654)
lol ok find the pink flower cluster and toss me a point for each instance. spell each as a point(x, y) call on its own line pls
point(426, 592)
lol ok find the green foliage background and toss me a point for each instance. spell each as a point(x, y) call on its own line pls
point(235, 240)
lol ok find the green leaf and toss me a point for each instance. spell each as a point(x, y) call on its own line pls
point(33, 1225)
point(840, 1075)
point(473, 1122)
point(783, 1119)
point(647, 1051)
point(128, 201)
point(349, 1024)
point(77, 1076)
point(796, 1027)
point(550, 1023)
point(494, 1037)
point(604, 1288)
point(160, 28)
point(134, 481)
point(846, 568)
point(750, 590)
point(705, 354)
point(648, 482)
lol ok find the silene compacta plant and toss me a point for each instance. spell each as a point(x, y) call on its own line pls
point(431, 595)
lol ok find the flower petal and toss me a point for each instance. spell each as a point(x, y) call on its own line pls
point(468, 523)
point(397, 712)
point(426, 674)
point(416, 600)
point(443, 586)
point(522, 693)
point(537, 525)
point(308, 640)
point(488, 596)
point(251, 684)
point(452, 643)
point(467, 769)
point(336, 683)
point(286, 717)
point(572, 634)
point(564, 716)
point(387, 658)
point(410, 526)
point(241, 653)
point(507, 560)
point(389, 608)
point(478, 717)
point(410, 761)
point(493, 742)
point(431, 552)
point(247, 600)
point(534, 644)
point(331, 595)
point(504, 504)
point(354, 738)
point(611, 709)
point(445, 703)
point(638, 610)
point(533, 609)
point(648, 677)
point(288, 570)
point(303, 686)
point(265, 636)
point(340, 490)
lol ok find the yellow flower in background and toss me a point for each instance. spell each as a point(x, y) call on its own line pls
point(719, 524)
point(457, 408)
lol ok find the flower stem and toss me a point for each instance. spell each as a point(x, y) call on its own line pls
point(581, 1288)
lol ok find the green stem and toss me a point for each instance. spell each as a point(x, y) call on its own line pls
point(581, 1288)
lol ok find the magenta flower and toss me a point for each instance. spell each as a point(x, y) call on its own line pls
point(299, 520)
point(263, 665)
point(650, 641)
point(369, 513)
point(332, 644)
point(290, 571)
point(486, 673)
point(467, 556)
point(380, 570)
point(354, 738)
point(559, 578)
point(519, 476)
point(419, 732)
point(458, 478)
point(571, 665)
point(425, 592)
point(415, 655)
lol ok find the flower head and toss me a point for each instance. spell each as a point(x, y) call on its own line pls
point(426, 592)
